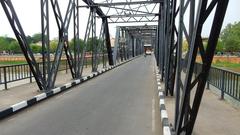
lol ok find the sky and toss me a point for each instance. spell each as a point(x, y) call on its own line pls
point(28, 12)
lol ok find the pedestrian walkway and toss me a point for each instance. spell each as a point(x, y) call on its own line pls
point(215, 117)
point(23, 89)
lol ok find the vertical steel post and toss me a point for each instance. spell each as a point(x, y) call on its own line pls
point(223, 85)
point(45, 40)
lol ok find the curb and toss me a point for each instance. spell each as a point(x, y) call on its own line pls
point(36, 99)
point(163, 111)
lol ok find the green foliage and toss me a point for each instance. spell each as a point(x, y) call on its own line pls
point(228, 65)
point(11, 44)
point(185, 46)
point(71, 43)
point(90, 42)
point(220, 46)
point(53, 45)
point(3, 44)
point(36, 48)
point(14, 47)
point(36, 38)
point(230, 37)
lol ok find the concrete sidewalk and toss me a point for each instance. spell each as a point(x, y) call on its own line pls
point(23, 89)
point(215, 117)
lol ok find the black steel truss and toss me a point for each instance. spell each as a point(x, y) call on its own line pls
point(21, 37)
point(166, 38)
point(171, 62)
point(186, 119)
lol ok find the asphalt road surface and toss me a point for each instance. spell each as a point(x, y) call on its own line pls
point(118, 102)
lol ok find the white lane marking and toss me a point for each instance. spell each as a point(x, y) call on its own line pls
point(19, 105)
point(158, 83)
point(153, 115)
point(68, 85)
point(159, 87)
point(163, 114)
point(40, 96)
point(166, 130)
point(56, 90)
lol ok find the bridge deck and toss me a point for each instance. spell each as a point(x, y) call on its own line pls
point(118, 102)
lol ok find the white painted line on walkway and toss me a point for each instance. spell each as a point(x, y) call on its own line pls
point(85, 78)
point(68, 85)
point(153, 115)
point(91, 75)
point(163, 114)
point(40, 96)
point(19, 105)
point(161, 102)
point(77, 81)
point(160, 93)
point(56, 90)
point(166, 130)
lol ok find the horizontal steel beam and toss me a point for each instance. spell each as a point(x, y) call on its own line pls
point(133, 21)
point(129, 3)
point(133, 15)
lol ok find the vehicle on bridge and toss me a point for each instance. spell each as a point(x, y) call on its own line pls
point(148, 49)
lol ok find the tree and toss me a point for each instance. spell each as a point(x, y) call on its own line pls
point(53, 45)
point(36, 38)
point(220, 46)
point(230, 37)
point(89, 43)
point(36, 48)
point(71, 43)
point(3, 44)
point(14, 47)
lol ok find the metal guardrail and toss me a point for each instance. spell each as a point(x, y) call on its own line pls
point(18, 72)
point(228, 82)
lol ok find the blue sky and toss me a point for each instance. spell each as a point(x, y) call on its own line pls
point(29, 15)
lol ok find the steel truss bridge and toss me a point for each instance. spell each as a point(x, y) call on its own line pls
point(174, 21)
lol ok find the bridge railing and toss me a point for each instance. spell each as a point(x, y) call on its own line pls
point(18, 72)
point(228, 82)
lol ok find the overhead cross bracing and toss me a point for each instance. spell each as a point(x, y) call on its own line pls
point(146, 32)
point(129, 11)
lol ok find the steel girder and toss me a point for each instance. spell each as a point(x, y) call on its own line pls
point(169, 54)
point(45, 39)
point(108, 42)
point(181, 62)
point(100, 13)
point(21, 37)
point(94, 44)
point(188, 110)
point(63, 25)
point(77, 51)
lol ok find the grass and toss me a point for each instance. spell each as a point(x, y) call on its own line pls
point(7, 63)
point(228, 65)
